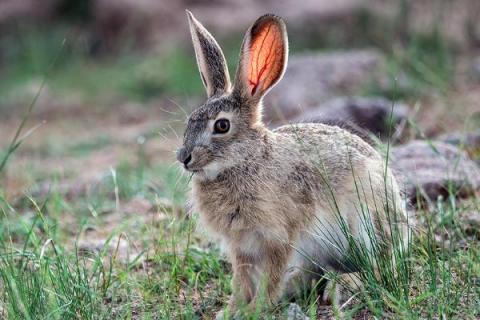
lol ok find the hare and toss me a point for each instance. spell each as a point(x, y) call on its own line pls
point(277, 200)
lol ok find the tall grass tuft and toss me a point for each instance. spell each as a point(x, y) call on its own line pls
point(45, 281)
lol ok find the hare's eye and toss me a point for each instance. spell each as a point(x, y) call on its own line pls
point(221, 126)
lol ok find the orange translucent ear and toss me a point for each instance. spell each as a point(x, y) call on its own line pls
point(266, 54)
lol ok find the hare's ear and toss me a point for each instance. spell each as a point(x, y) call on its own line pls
point(210, 59)
point(263, 57)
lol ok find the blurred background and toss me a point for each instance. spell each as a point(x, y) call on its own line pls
point(94, 95)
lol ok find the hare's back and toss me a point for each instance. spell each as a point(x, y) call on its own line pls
point(318, 151)
point(332, 158)
point(321, 139)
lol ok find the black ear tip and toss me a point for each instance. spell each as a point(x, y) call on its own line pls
point(195, 25)
point(270, 17)
point(191, 18)
point(189, 14)
point(267, 19)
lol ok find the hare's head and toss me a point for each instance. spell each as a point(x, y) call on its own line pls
point(221, 132)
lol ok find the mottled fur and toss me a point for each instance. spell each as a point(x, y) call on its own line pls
point(274, 198)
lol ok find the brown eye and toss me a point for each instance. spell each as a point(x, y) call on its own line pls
point(221, 126)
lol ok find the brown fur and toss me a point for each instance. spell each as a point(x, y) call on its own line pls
point(267, 195)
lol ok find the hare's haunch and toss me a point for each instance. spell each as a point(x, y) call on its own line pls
point(279, 201)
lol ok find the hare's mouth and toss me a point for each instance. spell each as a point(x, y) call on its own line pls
point(193, 168)
point(208, 171)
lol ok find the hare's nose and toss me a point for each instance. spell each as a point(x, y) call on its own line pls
point(183, 156)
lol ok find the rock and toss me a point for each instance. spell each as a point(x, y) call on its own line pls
point(471, 224)
point(295, 312)
point(372, 114)
point(311, 79)
point(468, 141)
point(434, 168)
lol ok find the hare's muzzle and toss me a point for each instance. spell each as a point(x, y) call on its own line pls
point(184, 156)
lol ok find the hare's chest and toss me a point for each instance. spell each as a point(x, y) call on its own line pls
point(222, 208)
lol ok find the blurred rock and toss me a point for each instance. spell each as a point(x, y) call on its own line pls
point(295, 312)
point(372, 114)
point(433, 169)
point(311, 79)
point(469, 140)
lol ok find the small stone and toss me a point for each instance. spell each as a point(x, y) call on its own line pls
point(295, 312)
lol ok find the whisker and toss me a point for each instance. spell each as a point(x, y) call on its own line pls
point(179, 106)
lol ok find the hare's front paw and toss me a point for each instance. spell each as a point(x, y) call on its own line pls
point(332, 293)
point(341, 289)
point(296, 282)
